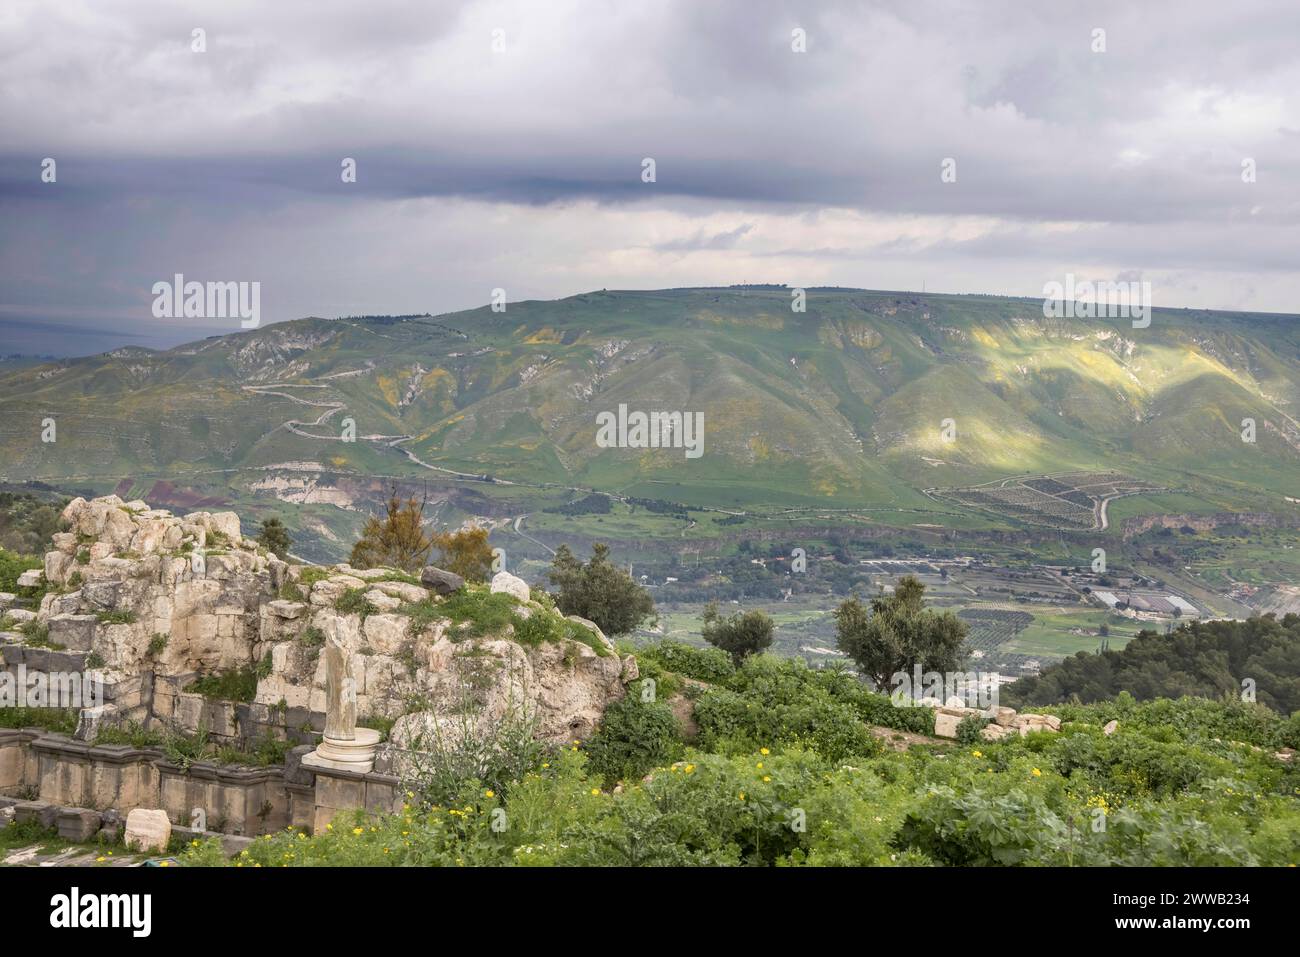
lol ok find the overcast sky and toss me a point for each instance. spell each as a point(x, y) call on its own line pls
point(521, 167)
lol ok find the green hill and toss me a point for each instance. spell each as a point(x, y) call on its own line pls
point(840, 406)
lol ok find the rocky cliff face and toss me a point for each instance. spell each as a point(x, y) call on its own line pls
point(155, 600)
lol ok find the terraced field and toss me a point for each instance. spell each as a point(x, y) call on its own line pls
point(1066, 500)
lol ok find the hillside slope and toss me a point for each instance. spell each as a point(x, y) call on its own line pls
point(841, 405)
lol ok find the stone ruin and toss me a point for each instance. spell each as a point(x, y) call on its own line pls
point(148, 602)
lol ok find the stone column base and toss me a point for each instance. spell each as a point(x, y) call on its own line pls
point(355, 755)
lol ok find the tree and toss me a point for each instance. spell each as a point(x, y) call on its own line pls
point(465, 553)
point(397, 541)
point(599, 591)
point(896, 633)
point(275, 537)
point(739, 635)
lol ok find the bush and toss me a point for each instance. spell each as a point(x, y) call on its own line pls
point(634, 736)
point(969, 728)
point(740, 635)
point(274, 537)
point(470, 750)
point(599, 591)
point(465, 553)
point(353, 601)
point(703, 664)
point(12, 565)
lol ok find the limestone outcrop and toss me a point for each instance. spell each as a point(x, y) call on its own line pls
point(151, 601)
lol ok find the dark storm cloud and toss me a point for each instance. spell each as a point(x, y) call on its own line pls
point(228, 161)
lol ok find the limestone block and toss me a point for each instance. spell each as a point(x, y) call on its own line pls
point(78, 824)
point(442, 582)
point(147, 830)
point(385, 633)
point(511, 585)
point(76, 632)
point(402, 591)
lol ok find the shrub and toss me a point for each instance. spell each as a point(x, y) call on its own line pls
point(634, 736)
point(239, 684)
point(703, 664)
point(740, 635)
point(274, 537)
point(599, 591)
point(396, 541)
point(969, 728)
point(353, 601)
point(465, 553)
point(469, 749)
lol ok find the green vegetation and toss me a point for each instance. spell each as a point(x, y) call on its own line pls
point(396, 541)
point(275, 537)
point(239, 684)
point(1079, 798)
point(353, 601)
point(36, 634)
point(62, 720)
point(26, 523)
point(634, 737)
point(465, 553)
point(898, 634)
point(739, 635)
point(1204, 659)
point(599, 591)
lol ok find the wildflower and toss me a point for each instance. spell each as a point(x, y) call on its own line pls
point(100, 860)
point(977, 754)
point(767, 778)
point(759, 765)
point(488, 793)
point(1037, 773)
point(595, 790)
point(358, 831)
point(741, 795)
point(764, 751)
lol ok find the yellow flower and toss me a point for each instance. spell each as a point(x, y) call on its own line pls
point(767, 778)
point(764, 751)
point(977, 754)
point(100, 860)
point(329, 827)
point(690, 768)
point(358, 831)
point(1037, 773)
point(488, 793)
point(759, 765)
point(741, 795)
point(595, 790)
